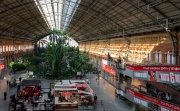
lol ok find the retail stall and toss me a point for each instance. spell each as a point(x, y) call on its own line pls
point(69, 94)
point(29, 88)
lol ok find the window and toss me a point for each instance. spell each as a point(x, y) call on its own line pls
point(168, 58)
point(156, 56)
point(148, 56)
point(173, 57)
point(0, 49)
point(160, 57)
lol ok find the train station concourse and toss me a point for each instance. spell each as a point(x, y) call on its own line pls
point(89, 55)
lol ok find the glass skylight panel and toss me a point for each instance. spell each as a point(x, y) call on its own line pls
point(57, 13)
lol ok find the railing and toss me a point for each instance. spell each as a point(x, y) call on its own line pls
point(135, 92)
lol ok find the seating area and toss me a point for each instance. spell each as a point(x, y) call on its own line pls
point(30, 96)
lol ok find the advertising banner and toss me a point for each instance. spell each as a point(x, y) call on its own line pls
point(154, 68)
point(108, 69)
point(168, 77)
point(141, 75)
point(106, 66)
point(2, 66)
point(153, 103)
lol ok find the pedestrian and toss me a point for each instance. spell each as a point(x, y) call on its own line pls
point(5, 96)
point(14, 81)
point(7, 83)
point(168, 97)
point(101, 102)
point(20, 79)
point(95, 98)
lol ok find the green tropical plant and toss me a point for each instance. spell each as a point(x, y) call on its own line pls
point(58, 59)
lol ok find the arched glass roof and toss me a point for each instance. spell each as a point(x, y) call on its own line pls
point(87, 19)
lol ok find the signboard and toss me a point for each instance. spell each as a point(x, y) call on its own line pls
point(168, 77)
point(2, 66)
point(108, 69)
point(154, 101)
point(164, 109)
point(154, 68)
point(141, 102)
point(105, 62)
point(141, 74)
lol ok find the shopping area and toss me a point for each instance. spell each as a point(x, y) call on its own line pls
point(145, 71)
point(154, 87)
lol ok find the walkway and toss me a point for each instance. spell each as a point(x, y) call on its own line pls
point(105, 92)
point(3, 87)
point(102, 89)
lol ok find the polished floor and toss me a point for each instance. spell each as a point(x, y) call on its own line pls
point(102, 89)
point(105, 92)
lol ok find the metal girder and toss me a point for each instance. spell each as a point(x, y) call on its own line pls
point(19, 37)
point(99, 13)
point(52, 6)
point(12, 8)
point(170, 1)
point(72, 14)
point(173, 37)
point(40, 7)
point(145, 13)
point(20, 17)
point(92, 2)
point(88, 21)
point(92, 28)
point(65, 14)
point(41, 36)
point(127, 12)
point(35, 17)
point(12, 25)
point(156, 9)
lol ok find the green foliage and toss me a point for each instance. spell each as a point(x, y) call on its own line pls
point(58, 60)
point(18, 67)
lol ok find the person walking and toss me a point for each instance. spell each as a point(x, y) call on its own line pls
point(5, 96)
point(7, 82)
point(20, 79)
point(95, 98)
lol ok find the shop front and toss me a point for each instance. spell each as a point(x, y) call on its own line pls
point(109, 72)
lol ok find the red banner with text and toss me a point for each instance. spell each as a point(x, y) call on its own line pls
point(2, 66)
point(162, 103)
point(108, 69)
point(154, 68)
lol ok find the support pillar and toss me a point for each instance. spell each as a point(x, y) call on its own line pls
point(175, 44)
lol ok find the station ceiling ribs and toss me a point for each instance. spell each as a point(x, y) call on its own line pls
point(130, 17)
point(21, 19)
point(88, 20)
